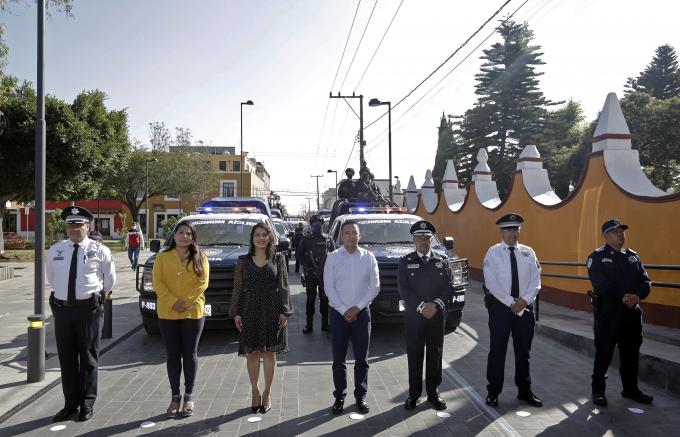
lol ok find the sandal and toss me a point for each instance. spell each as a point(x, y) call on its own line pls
point(188, 407)
point(173, 409)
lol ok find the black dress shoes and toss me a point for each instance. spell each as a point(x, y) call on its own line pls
point(438, 403)
point(338, 406)
point(530, 399)
point(362, 406)
point(325, 327)
point(492, 400)
point(64, 414)
point(410, 403)
point(308, 329)
point(85, 414)
point(600, 399)
point(638, 396)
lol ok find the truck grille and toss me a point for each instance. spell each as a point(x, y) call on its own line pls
point(221, 283)
point(389, 278)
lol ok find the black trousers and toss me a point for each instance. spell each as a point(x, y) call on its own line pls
point(502, 323)
point(181, 344)
point(424, 338)
point(313, 284)
point(617, 325)
point(77, 332)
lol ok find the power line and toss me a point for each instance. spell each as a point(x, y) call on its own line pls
point(479, 29)
point(359, 44)
point(377, 48)
point(323, 126)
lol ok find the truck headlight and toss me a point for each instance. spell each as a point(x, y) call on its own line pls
point(146, 280)
point(457, 272)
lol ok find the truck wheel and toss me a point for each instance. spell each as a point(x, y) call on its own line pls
point(453, 320)
point(151, 325)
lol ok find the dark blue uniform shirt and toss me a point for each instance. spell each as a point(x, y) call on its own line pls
point(421, 282)
point(615, 273)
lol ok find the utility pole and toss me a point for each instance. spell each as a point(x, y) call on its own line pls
point(362, 143)
point(317, 190)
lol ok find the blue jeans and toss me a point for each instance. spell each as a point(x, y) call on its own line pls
point(342, 331)
point(133, 256)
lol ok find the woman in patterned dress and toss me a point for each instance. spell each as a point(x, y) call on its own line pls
point(260, 306)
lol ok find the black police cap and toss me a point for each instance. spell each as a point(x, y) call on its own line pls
point(316, 218)
point(512, 220)
point(422, 227)
point(76, 214)
point(612, 224)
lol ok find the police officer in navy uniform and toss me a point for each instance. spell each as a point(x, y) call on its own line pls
point(512, 275)
point(313, 251)
point(80, 271)
point(620, 282)
point(426, 287)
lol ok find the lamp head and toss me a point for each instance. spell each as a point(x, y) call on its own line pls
point(249, 102)
point(374, 102)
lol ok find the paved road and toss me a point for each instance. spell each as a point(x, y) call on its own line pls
point(134, 390)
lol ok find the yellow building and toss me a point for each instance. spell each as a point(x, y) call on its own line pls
point(225, 166)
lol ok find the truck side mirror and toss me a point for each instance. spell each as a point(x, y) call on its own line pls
point(155, 246)
point(448, 243)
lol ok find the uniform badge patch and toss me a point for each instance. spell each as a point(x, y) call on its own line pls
point(607, 260)
point(525, 252)
point(439, 265)
point(413, 266)
point(632, 259)
point(538, 265)
point(590, 262)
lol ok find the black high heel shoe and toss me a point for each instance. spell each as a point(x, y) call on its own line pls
point(265, 408)
point(256, 408)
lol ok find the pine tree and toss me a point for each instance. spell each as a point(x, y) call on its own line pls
point(510, 110)
point(661, 77)
point(444, 145)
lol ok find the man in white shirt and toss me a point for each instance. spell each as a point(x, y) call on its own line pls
point(512, 275)
point(352, 282)
point(79, 270)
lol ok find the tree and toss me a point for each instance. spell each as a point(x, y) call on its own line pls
point(511, 109)
point(661, 77)
point(655, 126)
point(449, 146)
point(159, 137)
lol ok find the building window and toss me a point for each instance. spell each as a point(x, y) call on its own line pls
point(227, 189)
point(223, 165)
point(236, 166)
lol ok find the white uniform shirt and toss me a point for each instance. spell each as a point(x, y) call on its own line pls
point(96, 271)
point(498, 275)
point(350, 279)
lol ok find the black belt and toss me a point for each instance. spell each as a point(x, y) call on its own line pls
point(94, 300)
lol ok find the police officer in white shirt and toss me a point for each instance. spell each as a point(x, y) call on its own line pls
point(80, 271)
point(352, 282)
point(512, 275)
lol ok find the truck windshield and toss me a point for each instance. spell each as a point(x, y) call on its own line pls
point(218, 232)
point(278, 226)
point(387, 231)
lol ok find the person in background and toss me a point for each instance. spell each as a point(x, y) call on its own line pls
point(180, 277)
point(260, 305)
point(313, 252)
point(297, 236)
point(134, 241)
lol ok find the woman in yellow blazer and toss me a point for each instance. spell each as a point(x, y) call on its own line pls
point(180, 278)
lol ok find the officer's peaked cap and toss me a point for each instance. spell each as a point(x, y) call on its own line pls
point(422, 227)
point(612, 224)
point(512, 220)
point(316, 218)
point(76, 214)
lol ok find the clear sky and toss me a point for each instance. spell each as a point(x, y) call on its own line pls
point(191, 63)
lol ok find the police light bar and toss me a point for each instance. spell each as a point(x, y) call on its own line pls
point(227, 209)
point(377, 209)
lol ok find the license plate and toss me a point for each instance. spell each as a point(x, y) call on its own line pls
point(149, 305)
point(207, 309)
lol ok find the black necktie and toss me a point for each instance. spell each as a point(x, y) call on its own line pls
point(514, 288)
point(425, 259)
point(72, 273)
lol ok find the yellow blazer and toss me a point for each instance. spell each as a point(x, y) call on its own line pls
point(174, 280)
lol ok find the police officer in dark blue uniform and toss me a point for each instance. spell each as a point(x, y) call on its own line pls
point(313, 251)
point(620, 282)
point(80, 271)
point(426, 287)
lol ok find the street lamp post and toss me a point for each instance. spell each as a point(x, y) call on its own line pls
point(249, 103)
point(317, 190)
point(146, 194)
point(336, 182)
point(377, 102)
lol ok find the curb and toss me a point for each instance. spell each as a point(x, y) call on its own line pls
point(26, 402)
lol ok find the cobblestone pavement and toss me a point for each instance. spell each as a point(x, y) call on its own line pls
point(133, 391)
